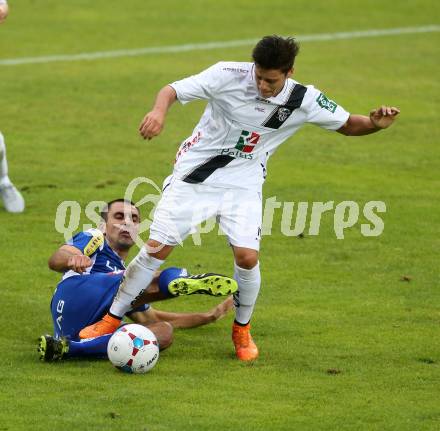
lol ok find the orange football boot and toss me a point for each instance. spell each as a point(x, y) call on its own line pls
point(245, 348)
point(107, 325)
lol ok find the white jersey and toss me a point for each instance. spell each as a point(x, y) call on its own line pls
point(239, 129)
point(3, 2)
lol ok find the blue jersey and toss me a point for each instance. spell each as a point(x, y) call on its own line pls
point(93, 244)
point(82, 299)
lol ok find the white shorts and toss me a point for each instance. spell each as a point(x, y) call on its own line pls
point(184, 206)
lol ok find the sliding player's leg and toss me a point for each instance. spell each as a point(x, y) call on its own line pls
point(81, 300)
point(52, 348)
point(97, 347)
point(173, 282)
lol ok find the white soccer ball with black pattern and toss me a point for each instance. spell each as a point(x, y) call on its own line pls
point(133, 348)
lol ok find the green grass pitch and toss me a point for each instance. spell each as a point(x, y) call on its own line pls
point(345, 343)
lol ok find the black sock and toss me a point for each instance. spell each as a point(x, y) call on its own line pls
point(241, 324)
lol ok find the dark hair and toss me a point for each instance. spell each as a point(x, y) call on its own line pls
point(107, 206)
point(275, 52)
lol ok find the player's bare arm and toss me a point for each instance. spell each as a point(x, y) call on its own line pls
point(4, 10)
point(68, 257)
point(152, 124)
point(183, 320)
point(380, 118)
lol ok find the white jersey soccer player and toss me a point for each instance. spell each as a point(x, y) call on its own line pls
point(3, 10)
point(12, 199)
point(219, 170)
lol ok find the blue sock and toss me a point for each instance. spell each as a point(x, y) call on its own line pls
point(167, 276)
point(91, 348)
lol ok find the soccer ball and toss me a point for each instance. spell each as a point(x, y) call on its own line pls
point(133, 349)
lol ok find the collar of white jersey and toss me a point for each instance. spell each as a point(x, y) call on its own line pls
point(281, 97)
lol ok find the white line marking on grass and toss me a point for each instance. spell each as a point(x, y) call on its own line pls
point(213, 45)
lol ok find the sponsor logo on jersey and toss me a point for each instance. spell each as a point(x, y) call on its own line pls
point(283, 114)
point(261, 99)
point(235, 69)
point(244, 147)
point(187, 145)
point(237, 154)
point(247, 141)
point(94, 244)
point(325, 103)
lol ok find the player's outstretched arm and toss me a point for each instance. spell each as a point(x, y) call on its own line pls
point(183, 320)
point(68, 257)
point(380, 118)
point(152, 124)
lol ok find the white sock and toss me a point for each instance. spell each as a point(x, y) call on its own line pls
point(137, 278)
point(249, 281)
point(4, 179)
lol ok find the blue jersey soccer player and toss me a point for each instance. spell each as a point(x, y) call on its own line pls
point(93, 267)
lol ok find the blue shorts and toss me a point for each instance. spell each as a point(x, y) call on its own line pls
point(82, 300)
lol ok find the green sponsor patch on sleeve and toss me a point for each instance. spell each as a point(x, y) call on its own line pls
point(325, 103)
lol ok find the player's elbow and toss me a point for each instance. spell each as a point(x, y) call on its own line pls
point(166, 335)
point(170, 90)
point(357, 125)
point(347, 128)
point(51, 263)
point(354, 125)
point(344, 131)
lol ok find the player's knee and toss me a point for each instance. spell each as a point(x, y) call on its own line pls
point(153, 244)
point(157, 249)
point(247, 260)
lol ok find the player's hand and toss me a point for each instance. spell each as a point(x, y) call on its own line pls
point(3, 12)
point(79, 263)
point(152, 124)
point(222, 309)
point(384, 116)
